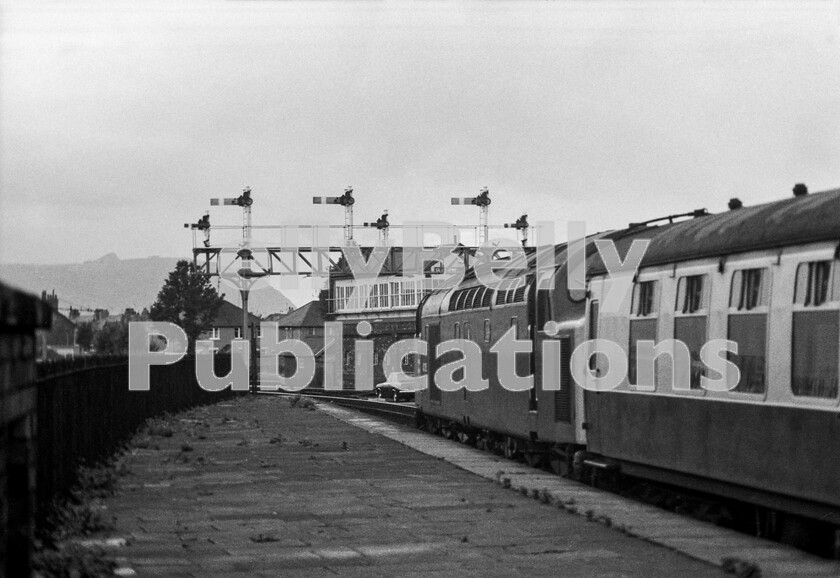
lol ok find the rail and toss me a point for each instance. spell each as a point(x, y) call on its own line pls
point(397, 412)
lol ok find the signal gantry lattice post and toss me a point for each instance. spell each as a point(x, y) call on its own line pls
point(246, 275)
point(482, 201)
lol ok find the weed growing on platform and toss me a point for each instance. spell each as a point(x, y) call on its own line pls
point(73, 560)
point(159, 427)
point(302, 402)
point(78, 515)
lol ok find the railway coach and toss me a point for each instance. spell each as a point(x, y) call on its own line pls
point(765, 277)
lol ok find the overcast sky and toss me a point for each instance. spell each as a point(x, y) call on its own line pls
point(118, 121)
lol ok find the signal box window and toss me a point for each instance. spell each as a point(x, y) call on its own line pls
point(395, 294)
point(690, 321)
point(642, 322)
point(816, 331)
point(748, 300)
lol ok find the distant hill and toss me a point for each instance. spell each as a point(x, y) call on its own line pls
point(116, 284)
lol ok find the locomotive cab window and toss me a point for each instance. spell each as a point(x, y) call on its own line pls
point(816, 331)
point(643, 320)
point(690, 321)
point(747, 326)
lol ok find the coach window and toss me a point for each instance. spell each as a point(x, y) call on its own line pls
point(486, 331)
point(690, 320)
point(466, 329)
point(816, 332)
point(643, 321)
point(748, 306)
point(456, 331)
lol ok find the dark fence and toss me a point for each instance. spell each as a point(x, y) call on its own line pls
point(86, 411)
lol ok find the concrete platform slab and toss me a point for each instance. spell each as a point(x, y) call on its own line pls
point(373, 509)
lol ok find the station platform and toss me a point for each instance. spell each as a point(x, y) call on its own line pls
point(257, 487)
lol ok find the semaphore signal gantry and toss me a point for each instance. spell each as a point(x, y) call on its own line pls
point(301, 249)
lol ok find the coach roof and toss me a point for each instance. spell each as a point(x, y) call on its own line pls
point(794, 221)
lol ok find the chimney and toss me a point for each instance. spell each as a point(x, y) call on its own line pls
point(50, 298)
point(735, 203)
point(800, 190)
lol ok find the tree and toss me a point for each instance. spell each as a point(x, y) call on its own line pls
point(188, 300)
point(111, 339)
point(84, 336)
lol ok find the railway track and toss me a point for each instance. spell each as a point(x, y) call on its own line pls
point(403, 413)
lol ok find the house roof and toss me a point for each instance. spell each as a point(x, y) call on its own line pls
point(22, 312)
point(310, 315)
point(229, 315)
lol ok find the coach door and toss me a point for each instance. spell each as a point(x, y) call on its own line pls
point(433, 339)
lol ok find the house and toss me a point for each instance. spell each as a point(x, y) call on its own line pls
point(304, 323)
point(227, 326)
point(60, 339)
